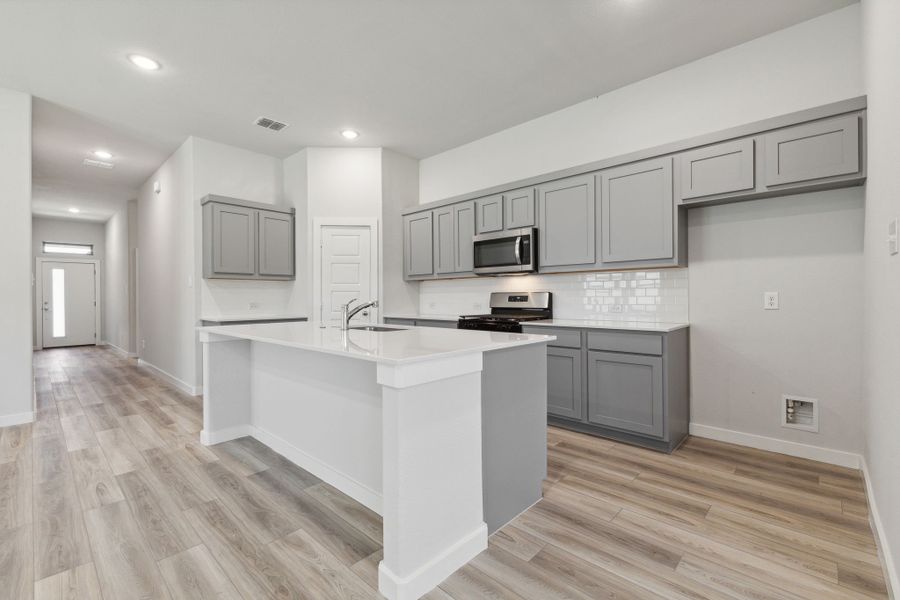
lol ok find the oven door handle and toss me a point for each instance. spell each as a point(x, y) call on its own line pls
point(519, 250)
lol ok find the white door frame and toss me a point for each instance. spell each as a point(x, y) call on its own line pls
point(39, 295)
point(374, 269)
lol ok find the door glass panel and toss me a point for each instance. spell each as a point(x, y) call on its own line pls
point(496, 253)
point(58, 300)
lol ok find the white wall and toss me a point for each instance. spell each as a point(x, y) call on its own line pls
point(810, 64)
point(237, 173)
point(400, 189)
point(881, 348)
point(807, 65)
point(167, 298)
point(17, 399)
point(743, 358)
point(70, 231)
point(117, 296)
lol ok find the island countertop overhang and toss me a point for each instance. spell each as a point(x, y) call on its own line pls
point(404, 345)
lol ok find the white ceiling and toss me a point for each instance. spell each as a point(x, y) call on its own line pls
point(417, 76)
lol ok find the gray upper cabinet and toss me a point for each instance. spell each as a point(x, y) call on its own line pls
point(718, 169)
point(566, 218)
point(564, 382)
point(817, 150)
point(246, 240)
point(276, 244)
point(489, 214)
point(463, 234)
point(443, 240)
point(234, 240)
point(418, 248)
point(518, 209)
point(637, 212)
point(625, 391)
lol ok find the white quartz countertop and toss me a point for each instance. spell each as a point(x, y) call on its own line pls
point(409, 344)
point(656, 326)
point(621, 325)
point(415, 316)
point(250, 317)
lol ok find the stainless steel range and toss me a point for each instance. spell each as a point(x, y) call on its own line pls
point(509, 310)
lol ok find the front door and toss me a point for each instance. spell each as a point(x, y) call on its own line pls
point(69, 304)
point(346, 271)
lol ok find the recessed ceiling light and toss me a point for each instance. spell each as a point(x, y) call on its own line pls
point(140, 61)
point(74, 210)
point(103, 154)
point(350, 134)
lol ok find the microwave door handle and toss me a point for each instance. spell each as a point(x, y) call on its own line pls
point(519, 250)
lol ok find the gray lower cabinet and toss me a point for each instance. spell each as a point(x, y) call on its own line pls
point(420, 322)
point(463, 234)
point(418, 247)
point(489, 214)
point(564, 382)
point(621, 384)
point(442, 238)
point(637, 212)
point(276, 244)
point(718, 169)
point(625, 392)
point(247, 240)
point(817, 150)
point(518, 209)
point(567, 223)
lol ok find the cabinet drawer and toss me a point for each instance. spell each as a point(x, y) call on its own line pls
point(632, 343)
point(718, 169)
point(435, 323)
point(565, 338)
point(817, 150)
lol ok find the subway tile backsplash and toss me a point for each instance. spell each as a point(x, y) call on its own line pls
point(658, 295)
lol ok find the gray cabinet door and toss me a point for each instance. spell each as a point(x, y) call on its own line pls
point(276, 244)
point(406, 322)
point(637, 212)
point(435, 323)
point(566, 218)
point(417, 245)
point(625, 391)
point(718, 169)
point(490, 214)
point(463, 234)
point(518, 209)
point(234, 240)
point(443, 240)
point(564, 389)
point(816, 150)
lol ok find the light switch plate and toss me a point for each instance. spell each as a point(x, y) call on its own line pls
point(770, 300)
point(893, 237)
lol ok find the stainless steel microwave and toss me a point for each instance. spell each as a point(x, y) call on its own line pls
point(511, 251)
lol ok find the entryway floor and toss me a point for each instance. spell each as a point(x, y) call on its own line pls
point(109, 494)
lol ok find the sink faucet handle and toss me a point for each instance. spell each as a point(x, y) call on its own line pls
point(347, 306)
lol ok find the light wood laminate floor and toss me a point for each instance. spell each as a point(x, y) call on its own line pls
point(109, 494)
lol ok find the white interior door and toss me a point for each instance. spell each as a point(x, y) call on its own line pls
point(68, 304)
point(346, 271)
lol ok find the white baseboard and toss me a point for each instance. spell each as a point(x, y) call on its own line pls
point(884, 550)
point(119, 350)
point(193, 390)
point(16, 419)
point(760, 442)
point(209, 438)
point(360, 492)
point(436, 570)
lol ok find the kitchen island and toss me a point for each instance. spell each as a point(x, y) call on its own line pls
point(440, 431)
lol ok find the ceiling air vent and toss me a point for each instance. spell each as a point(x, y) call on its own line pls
point(270, 124)
point(100, 164)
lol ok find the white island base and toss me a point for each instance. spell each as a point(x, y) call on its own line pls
point(398, 430)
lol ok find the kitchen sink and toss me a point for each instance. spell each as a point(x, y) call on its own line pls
point(377, 328)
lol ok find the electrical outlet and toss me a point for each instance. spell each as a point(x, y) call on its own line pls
point(770, 300)
point(893, 239)
point(253, 305)
point(143, 344)
point(617, 308)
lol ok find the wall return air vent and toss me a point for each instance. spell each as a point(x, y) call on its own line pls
point(270, 123)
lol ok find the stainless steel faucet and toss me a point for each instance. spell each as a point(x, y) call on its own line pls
point(347, 314)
